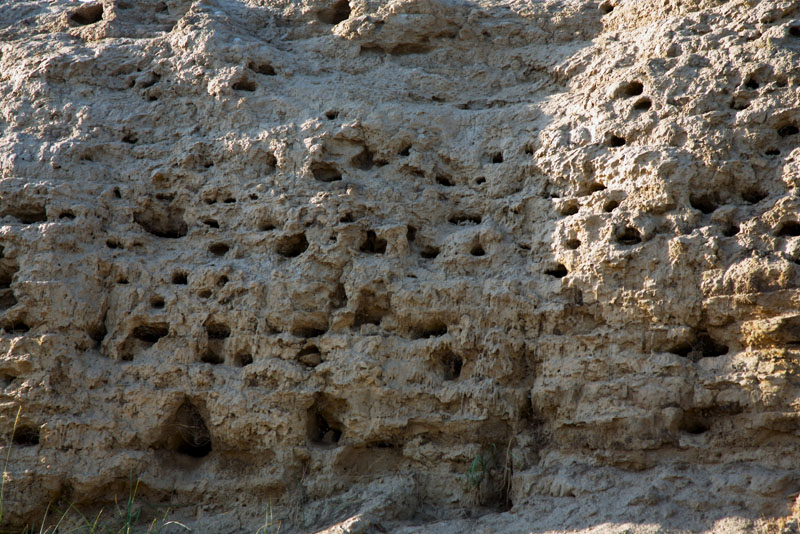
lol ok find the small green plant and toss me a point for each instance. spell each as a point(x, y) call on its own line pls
point(488, 477)
point(5, 465)
point(476, 472)
point(270, 525)
point(129, 516)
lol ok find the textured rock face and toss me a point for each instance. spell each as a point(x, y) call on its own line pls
point(387, 264)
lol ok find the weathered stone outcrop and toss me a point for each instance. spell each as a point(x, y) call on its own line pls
point(422, 265)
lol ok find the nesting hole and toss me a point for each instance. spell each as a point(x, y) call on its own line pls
point(7, 298)
point(429, 252)
point(434, 328)
point(631, 89)
point(643, 104)
point(373, 244)
point(794, 31)
point(404, 49)
point(97, 333)
point(85, 15)
point(789, 129)
point(730, 230)
point(7, 272)
point(27, 214)
point(66, 215)
point(211, 223)
point(701, 346)
point(325, 172)
point(682, 349)
point(323, 428)
point(262, 68)
point(405, 151)
point(411, 233)
point(338, 297)
point(371, 309)
point(450, 365)
point(219, 249)
point(212, 357)
point(480, 180)
point(568, 208)
point(331, 115)
point(753, 196)
point(596, 187)
point(190, 434)
point(165, 223)
point(772, 152)
point(150, 333)
point(694, 423)
point(573, 244)
point(218, 330)
point(291, 246)
point(610, 205)
point(465, 218)
point(15, 326)
point(606, 8)
point(477, 250)
point(309, 356)
point(26, 436)
point(244, 85)
point(243, 359)
point(615, 141)
point(497, 157)
point(180, 278)
point(308, 332)
point(364, 160)
point(157, 303)
point(6, 378)
point(628, 236)
point(751, 83)
point(710, 347)
point(789, 229)
point(557, 271)
point(444, 180)
point(705, 202)
point(113, 244)
point(336, 13)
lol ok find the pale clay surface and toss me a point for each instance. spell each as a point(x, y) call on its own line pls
point(332, 256)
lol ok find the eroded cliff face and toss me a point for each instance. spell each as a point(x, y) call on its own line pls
point(399, 266)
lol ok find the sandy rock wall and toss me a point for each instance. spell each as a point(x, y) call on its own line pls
point(401, 264)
